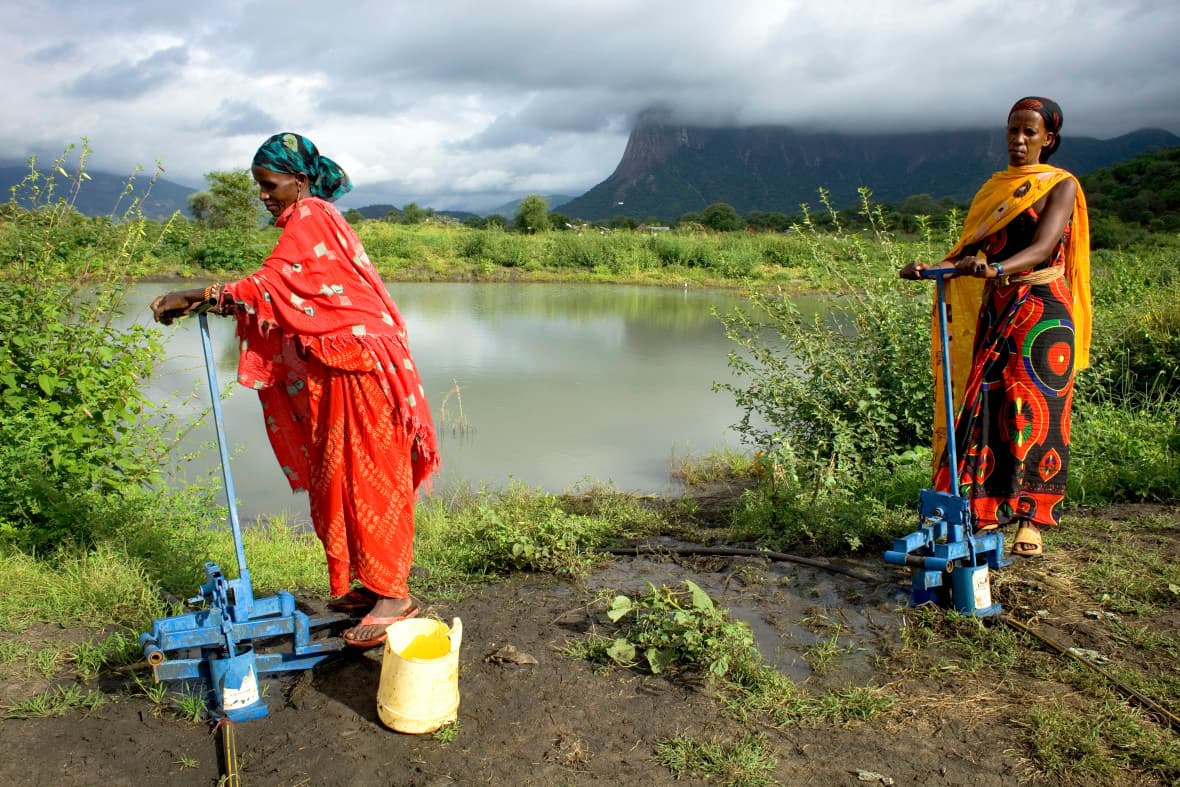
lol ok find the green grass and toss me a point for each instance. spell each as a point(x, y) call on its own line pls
point(824, 654)
point(1126, 571)
point(963, 642)
point(448, 733)
point(56, 701)
point(746, 762)
point(1091, 734)
point(156, 693)
point(94, 588)
point(766, 696)
point(467, 537)
point(1101, 742)
point(280, 556)
point(190, 705)
point(724, 464)
point(90, 657)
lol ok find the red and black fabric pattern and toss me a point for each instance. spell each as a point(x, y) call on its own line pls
point(1012, 431)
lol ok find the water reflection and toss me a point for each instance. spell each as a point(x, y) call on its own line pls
point(558, 384)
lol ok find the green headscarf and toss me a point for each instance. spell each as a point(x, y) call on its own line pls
point(294, 154)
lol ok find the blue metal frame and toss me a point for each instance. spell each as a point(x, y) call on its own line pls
point(232, 620)
point(950, 564)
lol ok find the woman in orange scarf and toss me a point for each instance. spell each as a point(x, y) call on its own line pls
point(1019, 329)
point(327, 350)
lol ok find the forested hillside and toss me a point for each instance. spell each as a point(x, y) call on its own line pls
point(1143, 191)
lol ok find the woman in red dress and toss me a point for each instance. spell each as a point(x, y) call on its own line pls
point(327, 350)
point(1024, 316)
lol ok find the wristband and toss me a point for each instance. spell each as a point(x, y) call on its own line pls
point(999, 269)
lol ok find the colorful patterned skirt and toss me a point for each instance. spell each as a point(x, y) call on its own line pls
point(1012, 431)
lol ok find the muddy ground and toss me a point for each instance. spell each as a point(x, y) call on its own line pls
point(560, 721)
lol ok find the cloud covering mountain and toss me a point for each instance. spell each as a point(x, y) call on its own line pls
point(467, 104)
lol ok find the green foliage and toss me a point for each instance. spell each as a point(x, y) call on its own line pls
point(532, 533)
point(90, 657)
point(832, 401)
point(807, 503)
point(1094, 747)
point(1111, 232)
point(231, 202)
point(74, 429)
point(1144, 191)
point(674, 630)
point(849, 386)
point(190, 705)
point(475, 535)
point(413, 213)
point(94, 588)
point(721, 217)
point(586, 251)
point(386, 243)
point(230, 214)
point(1130, 569)
point(532, 215)
point(56, 701)
point(228, 249)
point(282, 555)
point(1125, 450)
point(1139, 344)
point(508, 251)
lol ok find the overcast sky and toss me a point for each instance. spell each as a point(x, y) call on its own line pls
point(457, 104)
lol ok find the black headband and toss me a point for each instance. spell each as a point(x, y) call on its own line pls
point(1050, 111)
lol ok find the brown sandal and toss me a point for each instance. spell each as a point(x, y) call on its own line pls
point(1027, 542)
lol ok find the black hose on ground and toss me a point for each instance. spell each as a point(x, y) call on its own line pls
point(651, 549)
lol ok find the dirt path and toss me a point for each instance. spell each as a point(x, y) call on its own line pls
point(562, 722)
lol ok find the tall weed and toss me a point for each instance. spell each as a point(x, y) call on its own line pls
point(831, 401)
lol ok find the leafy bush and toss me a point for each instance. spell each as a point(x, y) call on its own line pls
point(75, 431)
point(799, 504)
point(830, 400)
point(1141, 350)
point(510, 251)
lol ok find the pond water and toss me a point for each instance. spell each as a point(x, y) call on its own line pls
point(556, 385)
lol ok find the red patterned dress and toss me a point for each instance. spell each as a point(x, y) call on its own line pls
point(1012, 431)
point(327, 350)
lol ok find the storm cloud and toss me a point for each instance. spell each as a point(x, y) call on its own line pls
point(459, 104)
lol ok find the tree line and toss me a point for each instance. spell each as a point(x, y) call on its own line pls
point(1127, 201)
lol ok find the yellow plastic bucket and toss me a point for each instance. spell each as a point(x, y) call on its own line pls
point(419, 689)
